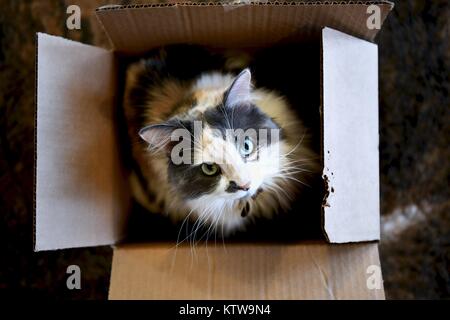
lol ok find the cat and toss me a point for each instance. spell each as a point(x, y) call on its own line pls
point(247, 153)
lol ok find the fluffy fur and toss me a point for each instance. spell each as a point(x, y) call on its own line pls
point(157, 102)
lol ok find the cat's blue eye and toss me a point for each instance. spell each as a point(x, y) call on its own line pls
point(247, 147)
point(210, 169)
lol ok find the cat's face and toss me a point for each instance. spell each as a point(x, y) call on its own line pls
point(225, 153)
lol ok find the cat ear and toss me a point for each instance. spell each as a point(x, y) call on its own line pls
point(239, 90)
point(158, 136)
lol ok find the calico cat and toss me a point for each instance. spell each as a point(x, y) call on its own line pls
point(246, 153)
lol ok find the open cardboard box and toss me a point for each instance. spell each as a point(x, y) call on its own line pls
point(81, 196)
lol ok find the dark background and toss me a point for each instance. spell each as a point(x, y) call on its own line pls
point(414, 153)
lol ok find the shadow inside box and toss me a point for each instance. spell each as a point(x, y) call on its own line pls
point(302, 222)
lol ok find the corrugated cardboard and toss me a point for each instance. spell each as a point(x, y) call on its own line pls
point(80, 195)
point(350, 137)
point(245, 271)
point(137, 28)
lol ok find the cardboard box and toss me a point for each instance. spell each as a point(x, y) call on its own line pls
point(81, 194)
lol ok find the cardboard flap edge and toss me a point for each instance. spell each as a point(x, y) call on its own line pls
point(350, 138)
point(74, 186)
point(130, 28)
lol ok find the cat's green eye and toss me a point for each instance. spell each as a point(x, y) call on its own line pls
point(247, 147)
point(210, 169)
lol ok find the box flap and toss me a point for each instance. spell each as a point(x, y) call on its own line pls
point(350, 138)
point(78, 196)
point(131, 28)
point(246, 271)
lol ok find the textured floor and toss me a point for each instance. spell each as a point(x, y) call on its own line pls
point(414, 152)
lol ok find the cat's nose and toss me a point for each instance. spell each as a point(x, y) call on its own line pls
point(233, 186)
point(245, 187)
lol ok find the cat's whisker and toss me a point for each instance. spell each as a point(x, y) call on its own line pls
point(206, 233)
point(294, 171)
point(294, 179)
point(296, 146)
point(195, 227)
point(189, 236)
point(293, 165)
point(215, 228)
point(179, 232)
point(200, 225)
point(282, 190)
point(275, 193)
point(158, 147)
point(223, 236)
point(290, 160)
point(217, 224)
point(207, 237)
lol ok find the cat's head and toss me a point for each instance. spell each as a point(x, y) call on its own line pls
point(226, 151)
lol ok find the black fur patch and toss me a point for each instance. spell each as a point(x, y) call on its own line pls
point(190, 180)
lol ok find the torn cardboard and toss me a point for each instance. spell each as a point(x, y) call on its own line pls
point(350, 137)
